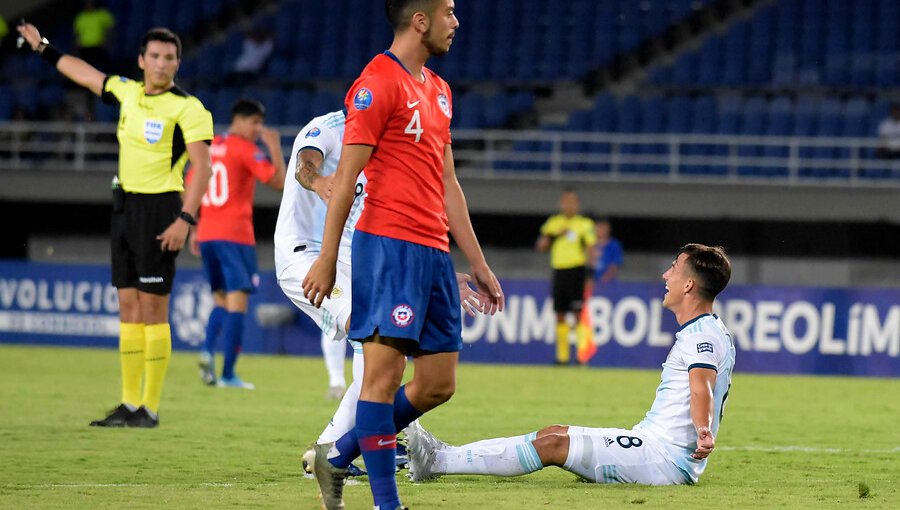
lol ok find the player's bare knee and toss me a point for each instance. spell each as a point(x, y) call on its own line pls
point(130, 311)
point(553, 449)
point(553, 429)
point(433, 395)
point(443, 393)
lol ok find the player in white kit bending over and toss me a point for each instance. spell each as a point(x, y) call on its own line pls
point(669, 446)
point(298, 239)
point(298, 235)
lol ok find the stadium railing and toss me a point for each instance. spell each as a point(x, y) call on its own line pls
point(541, 155)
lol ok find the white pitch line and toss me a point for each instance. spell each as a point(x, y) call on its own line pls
point(804, 449)
point(102, 485)
point(80, 485)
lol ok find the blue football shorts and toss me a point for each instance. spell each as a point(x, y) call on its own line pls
point(404, 290)
point(230, 266)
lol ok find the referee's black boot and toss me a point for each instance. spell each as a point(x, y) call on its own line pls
point(118, 417)
point(143, 418)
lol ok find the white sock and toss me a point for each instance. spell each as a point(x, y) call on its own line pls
point(508, 456)
point(345, 417)
point(484, 443)
point(334, 353)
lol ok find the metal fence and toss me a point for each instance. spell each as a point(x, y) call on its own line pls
point(542, 155)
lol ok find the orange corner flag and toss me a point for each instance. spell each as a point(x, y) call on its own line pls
point(586, 347)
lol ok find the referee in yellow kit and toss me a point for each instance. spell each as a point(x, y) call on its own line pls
point(568, 236)
point(160, 129)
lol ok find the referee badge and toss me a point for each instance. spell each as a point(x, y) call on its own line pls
point(153, 130)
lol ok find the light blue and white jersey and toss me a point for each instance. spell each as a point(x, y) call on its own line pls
point(301, 217)
point(703, 342)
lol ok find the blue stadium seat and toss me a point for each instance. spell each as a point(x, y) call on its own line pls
point(468, 111)
point(710, 60)
point(297, 109)
point(753, 122)
point(604, 116)
point(6, 103)
point(496, 110)
point(678, 113)
point(735, 63)
point(729, 115)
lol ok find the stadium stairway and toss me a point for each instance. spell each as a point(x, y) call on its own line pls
point(628, 69)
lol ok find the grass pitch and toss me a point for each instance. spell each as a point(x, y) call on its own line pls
point(786, 442)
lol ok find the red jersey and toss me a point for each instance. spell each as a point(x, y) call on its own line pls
point(408, 124)
point(226, 213)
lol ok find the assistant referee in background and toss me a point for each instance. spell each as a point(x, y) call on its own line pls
point(160, 128)
point(568, 236)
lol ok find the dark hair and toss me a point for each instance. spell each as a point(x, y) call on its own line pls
point(399, 12)
point(162, 35)
point(245, 107)
point(710, 264)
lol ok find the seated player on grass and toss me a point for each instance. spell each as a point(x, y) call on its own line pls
point(669, 446)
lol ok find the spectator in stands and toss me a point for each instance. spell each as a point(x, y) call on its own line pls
point(607, 254)
point(92, 26)
point(258, 46)
point(4, 29)
point(889, 133)
point(569, 237)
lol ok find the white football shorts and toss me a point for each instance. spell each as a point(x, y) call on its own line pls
point(332, 317)
point(620, 456)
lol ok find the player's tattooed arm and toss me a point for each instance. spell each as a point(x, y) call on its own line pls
point(309, 161)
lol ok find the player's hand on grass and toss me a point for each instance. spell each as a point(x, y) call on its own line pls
point(31, 35)
point(174, 237)
point(489, 289)
point(323, 186)
point(705, 443)
point(319, 281)
point(471, 301)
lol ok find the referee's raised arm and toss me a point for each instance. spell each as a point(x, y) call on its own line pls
point(71, 67)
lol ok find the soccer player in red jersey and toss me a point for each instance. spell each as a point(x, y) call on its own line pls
point(225, 230)
point(405, 296)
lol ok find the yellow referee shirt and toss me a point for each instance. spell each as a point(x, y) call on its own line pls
point(153, 134)
point(91, 26)
point(571, 237)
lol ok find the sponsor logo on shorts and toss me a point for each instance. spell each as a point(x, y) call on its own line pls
point(704, 347)
point(363, 99)
point(153, 130)
point(608, 441)
point(402, 315)
point(151, 279)
point(336, 292)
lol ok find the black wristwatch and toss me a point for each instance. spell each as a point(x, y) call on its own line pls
point(186, 216)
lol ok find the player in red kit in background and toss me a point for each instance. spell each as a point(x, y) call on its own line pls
point(225, 231)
